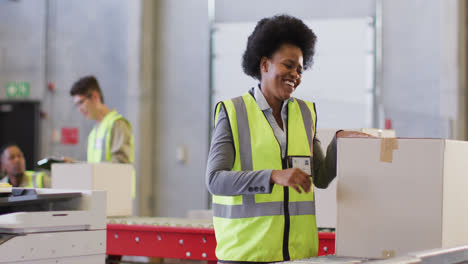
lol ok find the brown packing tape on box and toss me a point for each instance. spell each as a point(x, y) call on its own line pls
point(388, 253)
point(387, 146)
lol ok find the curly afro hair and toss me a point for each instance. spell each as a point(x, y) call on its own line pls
point(269, 34)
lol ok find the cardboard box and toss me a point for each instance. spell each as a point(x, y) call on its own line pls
point(396, 196)
point(114, 178)
point(325, 199)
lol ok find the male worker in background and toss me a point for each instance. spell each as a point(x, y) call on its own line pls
point(111, 139)
point(13, 169)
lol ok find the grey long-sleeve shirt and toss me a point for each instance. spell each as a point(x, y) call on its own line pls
point(220, 178)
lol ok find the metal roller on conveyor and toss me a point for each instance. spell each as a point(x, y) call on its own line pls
point(160, 237)
point(161, 221)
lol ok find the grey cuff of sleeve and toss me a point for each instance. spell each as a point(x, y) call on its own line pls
point(268, 185)
point(260, 184)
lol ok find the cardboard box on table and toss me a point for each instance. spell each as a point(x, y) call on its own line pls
point(114, 178)
point(325, 199)
point(396, 196)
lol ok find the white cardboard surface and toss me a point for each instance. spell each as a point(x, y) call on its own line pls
point(325, 199)
point(416, 202)
point(389, 208)
point(455, 198)
point(114, 178)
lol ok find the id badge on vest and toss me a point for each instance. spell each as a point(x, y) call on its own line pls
point(302, 162)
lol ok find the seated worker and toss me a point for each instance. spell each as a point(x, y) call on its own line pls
point(13, 169)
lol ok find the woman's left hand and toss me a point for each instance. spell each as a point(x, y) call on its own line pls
point(353, 134)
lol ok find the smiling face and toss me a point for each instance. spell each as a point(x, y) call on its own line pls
point(12, 161)
point(281, 74)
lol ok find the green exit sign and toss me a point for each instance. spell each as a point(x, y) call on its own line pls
point(17, 89)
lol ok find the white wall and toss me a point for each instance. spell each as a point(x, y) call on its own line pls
point(22, 49)
point(181, 106)
point(420, 55)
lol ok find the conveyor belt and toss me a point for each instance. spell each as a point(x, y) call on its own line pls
point(454, 255)
point(162, 221)
point(180, 238)
point(161, 237)
point(184, 238)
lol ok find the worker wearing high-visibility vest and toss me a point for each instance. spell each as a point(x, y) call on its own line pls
point(12, 164)
point(111, 139)
point(264, 158)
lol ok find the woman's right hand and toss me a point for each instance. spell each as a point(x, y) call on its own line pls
point(68, 160)
point(293, 177)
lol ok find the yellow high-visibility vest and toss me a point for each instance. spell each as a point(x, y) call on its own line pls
point(33, 179)
point(99, 139)
point(270, 227)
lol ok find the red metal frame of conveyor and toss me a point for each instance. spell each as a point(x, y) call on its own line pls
point(326, 243)
point(197, 243)
point(161, 241)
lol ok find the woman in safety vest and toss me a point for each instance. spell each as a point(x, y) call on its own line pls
point(264, 158)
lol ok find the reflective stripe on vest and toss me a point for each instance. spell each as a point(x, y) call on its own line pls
point(33, 179)
point(249, 208)
point(236, 218)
